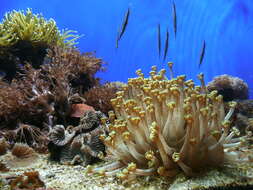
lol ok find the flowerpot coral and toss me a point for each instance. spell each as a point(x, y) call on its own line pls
point(162, 126)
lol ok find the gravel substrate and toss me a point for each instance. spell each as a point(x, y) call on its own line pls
point(63, 177)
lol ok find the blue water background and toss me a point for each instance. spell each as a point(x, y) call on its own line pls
point(225, 25)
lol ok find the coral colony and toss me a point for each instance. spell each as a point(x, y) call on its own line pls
point(162, 126)
point(25, 37)
point(50, 100)
point(44, 81)
point(20, 25)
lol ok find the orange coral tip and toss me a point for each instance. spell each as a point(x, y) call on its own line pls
point(78, 110)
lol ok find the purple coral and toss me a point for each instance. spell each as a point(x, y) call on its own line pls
point(231, 88)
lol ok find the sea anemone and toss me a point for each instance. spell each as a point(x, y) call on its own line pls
point(162, 126)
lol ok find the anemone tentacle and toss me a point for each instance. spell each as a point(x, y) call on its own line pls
point(162, 126)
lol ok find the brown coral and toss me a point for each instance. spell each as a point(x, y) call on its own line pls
point(22, 151)
point(39, 92)
point(28, 181)
point(79, 69)
point(99, 97)
point(36, 95)
point(3, 146)
point(162, 126)
point(3, 167)
point(231, 88)
point(28, 133)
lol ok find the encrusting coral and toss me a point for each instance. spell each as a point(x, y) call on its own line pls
point(162, 126)
point(231, 88)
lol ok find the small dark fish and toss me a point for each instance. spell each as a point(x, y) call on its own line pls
point(202, 54)
point(117, 40)
point(117, 44)
point(174, 18)
point(159, 39)
point(166, 45)
point(124, 24)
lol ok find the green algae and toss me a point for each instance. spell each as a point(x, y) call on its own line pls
point(27, 26)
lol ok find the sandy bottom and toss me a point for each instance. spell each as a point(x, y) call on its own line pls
point(63, 177)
